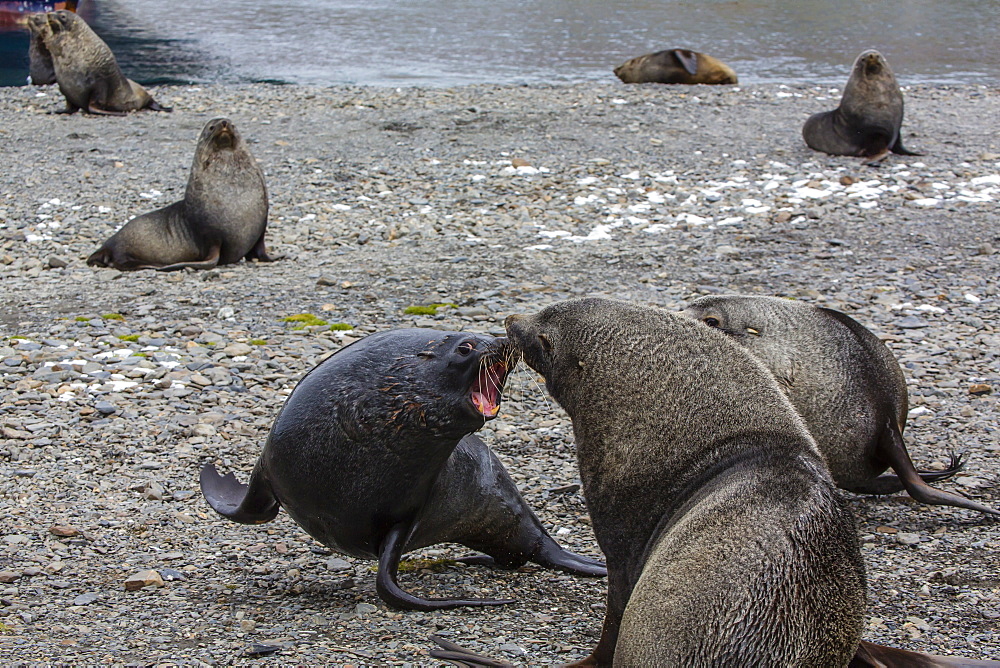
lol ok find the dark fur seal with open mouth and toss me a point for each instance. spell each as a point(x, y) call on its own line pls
point(843, 381)
point(222, 218)
point(676, 66)
point(87, 72)
point(869, 119)
point(373, 455)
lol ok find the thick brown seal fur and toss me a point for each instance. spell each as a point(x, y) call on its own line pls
point(87, 72)
point(726, 541)
point(843, 381)
point(373, 455)
point(676, 66)
point(41, 71)
point(869, 118)
point(222, 218)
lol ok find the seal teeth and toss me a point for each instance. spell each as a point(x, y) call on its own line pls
point(485, 393)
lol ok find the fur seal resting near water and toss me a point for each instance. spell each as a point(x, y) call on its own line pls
point(868, 120)
point(373, 455)
point(844, 382)
point(222, 218)
point(87, 72)
point(676, 66)
point(41, 71)
point(726, 541)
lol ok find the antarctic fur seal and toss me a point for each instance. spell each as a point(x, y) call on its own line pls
point(373, 455)
point(726, 541)
point(87, 72)
point(41, 71)
point(869, 118)
point(843, 381)
point(222, 218)
point(676, 66)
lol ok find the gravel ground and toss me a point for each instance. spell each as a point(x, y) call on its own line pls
point(116, 388)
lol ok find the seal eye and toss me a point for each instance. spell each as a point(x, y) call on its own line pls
point(466, 348)
point(712, 322)
point(544, 342)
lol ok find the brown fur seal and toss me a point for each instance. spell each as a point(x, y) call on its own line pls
point(87, 72)
point(676, 66)
point(373, 455)
point(869, 118)
point(41, 71)
point(726, 541)
point(843, 381)
point(222, 218)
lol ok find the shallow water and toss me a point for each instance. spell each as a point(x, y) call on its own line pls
point(453, 42)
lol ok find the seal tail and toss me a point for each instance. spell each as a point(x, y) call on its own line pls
point(246, 504)
point(459, 656)
point(870, 655)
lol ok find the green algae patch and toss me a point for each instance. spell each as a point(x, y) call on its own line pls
point(304, 320)
point(129, 337)
point(112, 316)
point(341, 327)
point(82, 318)
point(430, 309)
point(257, 342)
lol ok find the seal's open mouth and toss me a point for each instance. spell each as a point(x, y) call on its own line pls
point(485, 393)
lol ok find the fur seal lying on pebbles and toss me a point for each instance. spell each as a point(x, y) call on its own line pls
point(87, 72)
point(725, 538)
point(869, 118)
point(222, 218)
point(41, 72)
point(373, 455)
point(843, 381)
point(676, 66)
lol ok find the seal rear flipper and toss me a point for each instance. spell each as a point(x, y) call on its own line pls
point(551, 555)
point(870, 655)
point(460, 656)
point(893, 450)
point(94, 109)
point(890, 483)
point(156, 106)
point(899, 149)
point(259, 252)
point(388, 588)
point(246, 504)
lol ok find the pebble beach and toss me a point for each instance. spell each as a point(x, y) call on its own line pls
point(474, 203)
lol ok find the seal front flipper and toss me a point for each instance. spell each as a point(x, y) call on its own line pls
point(388, 587)
point(870, 655)
point(209, 263)
point(550, 555)
point(460, 656)
point(246, 504)
point(891, 447)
